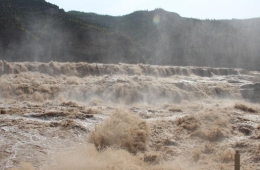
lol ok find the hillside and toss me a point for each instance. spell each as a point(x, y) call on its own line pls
point(176, 40)
point(34, 30)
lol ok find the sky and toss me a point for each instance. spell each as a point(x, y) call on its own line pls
point(201, 9)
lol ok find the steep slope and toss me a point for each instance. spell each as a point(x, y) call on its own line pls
point(185, 41)
point(34, 30)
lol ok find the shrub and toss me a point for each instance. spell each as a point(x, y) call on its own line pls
point(123, 130)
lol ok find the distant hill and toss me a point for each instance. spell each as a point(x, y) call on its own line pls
point(174, 40)
point(34, 30)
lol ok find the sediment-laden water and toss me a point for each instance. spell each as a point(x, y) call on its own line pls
point(69, 116)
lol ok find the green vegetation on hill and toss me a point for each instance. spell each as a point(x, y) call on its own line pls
point(34, 30)
point(175, 40)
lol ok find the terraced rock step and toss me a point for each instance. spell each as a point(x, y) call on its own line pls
point(96, 69)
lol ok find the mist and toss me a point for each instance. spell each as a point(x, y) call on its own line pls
point(147, 90)
point(200, 113)
point(149, 37)
point(175, 40)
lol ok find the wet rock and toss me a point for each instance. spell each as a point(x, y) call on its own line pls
point(246, 129)
point(49, 115)
point(152, 158)
point(175, 110)
point(84, 116)
point(2, 112)
point(251, 92)
point(152, 111)
point(170, 142)
point(69, 104)
point(244, 108)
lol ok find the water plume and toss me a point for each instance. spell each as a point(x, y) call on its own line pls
point(123, 130)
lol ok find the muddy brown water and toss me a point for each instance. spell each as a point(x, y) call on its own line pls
point(197, 117)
